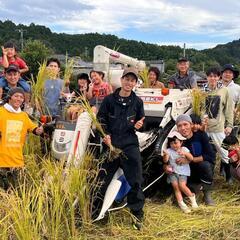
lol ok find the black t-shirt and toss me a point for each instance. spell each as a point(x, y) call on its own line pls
point(199, 145)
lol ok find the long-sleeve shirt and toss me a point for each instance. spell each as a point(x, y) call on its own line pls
point(219, 108)
point(118, 116)
point(234, 91)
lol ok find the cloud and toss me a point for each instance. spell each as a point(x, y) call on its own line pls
point(196, 45)
point(41, 12)
point(145, 16)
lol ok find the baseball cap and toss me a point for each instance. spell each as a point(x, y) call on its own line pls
point(12, 67)
point(182, 59)
point(177, 135)
point(132, 71)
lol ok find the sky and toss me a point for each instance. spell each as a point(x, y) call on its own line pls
point(198, 23)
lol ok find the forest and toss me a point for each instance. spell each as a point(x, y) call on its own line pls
point(83, 44)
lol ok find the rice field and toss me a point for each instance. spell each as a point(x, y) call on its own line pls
point(45, 207)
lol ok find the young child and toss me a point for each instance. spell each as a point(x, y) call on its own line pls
point(231, 143)
point(84, 87)
point(9, 57)
point(178, 178)
point(100, 88)
point(198, 124)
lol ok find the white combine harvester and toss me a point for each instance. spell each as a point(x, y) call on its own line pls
point(161, 109)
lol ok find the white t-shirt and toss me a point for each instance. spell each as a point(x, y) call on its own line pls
point(234, 91)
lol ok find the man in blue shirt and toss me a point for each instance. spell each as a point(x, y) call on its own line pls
point(53, 89)
point(11, 80)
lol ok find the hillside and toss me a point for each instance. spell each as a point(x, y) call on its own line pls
point(83, 44)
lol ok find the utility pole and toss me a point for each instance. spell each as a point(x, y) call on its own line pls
point(86, 52)
point(21, 37)
point(184, 50)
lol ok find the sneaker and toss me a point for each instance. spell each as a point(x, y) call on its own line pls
point(193, 201)
point(184, 207)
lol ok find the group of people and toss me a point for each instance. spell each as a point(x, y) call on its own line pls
point(190, 157)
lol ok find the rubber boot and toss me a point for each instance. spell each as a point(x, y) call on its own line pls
point(222, 170)
point(207, 195)
point(137, 219)
point(184, 207)
point(193, 201)
point(228, 176)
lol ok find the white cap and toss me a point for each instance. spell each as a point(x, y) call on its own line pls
point(176, 134)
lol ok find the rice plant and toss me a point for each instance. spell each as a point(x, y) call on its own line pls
point(198, 101)
point(68, 70)
point(38, 88)
point(144, 77)
point(49, 205)
point(114, 152)
point(237, 115)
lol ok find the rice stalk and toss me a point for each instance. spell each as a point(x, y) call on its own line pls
point(32, 145)
point(31, 212)
point(144, 77)
point(114, 152)
point(198, 101)
point(5, 226)
point(56, 202)
point(237, 114)
point(82, 183)
point(69, 63)
point(38, 88)
point(23, 206)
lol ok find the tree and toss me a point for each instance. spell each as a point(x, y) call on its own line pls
point(34, 53)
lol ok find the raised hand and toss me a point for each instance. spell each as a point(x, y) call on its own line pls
point(4, 51)
point(139, 123)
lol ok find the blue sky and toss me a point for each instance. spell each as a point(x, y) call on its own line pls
point(200, 24)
